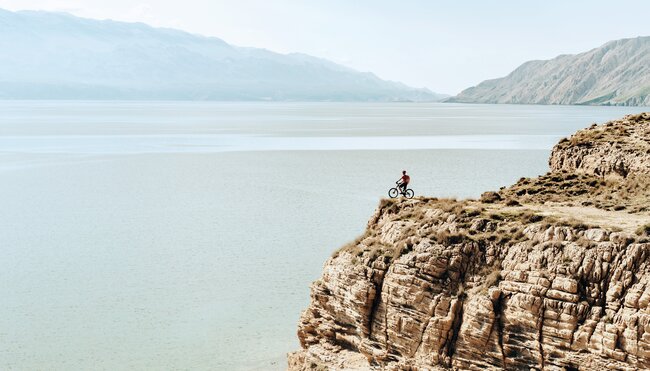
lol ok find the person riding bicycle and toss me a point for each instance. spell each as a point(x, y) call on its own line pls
point(403, 182)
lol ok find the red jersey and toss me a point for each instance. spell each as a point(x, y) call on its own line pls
point(406, 179)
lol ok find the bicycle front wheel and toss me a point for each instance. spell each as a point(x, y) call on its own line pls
point(409, 193)
point(393, 192)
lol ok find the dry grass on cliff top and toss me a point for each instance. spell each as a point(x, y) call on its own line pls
point(439, 221)
point(615, 204)
point(577, 200)
point(493, 223)
point(631, 194)
point(581, 217)
point(631, 132)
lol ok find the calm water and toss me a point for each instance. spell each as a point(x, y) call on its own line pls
point(185, 235)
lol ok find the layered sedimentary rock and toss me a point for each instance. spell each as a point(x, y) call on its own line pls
point(487, 284)
point(616, 148)
point(606, 166)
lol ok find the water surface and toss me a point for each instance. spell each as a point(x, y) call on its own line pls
point(185, 235)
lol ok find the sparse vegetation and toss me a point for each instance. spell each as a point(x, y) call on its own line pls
point(472, 212)
point(512, 202)
point(643, 230)
point(490, 197)
point(631, 194)
point(491, 276)
point(450, 222)
point(549, 237)
point(499, 218)
point(446, 238)
point(550, 187)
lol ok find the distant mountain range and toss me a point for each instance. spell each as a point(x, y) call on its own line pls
point(617, 73)
point(47, 55)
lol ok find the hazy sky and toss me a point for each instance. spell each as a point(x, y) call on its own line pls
point(444, 45)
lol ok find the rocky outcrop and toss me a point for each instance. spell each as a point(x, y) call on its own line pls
point(557, 297)
point(615, 73)
point(446, 284)
point(606, 166)
point(618, 148)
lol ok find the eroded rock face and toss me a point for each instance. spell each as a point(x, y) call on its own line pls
point(617, 148)
point(559, 298)
point(496, 284)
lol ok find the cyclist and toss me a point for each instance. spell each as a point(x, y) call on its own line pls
point(403, 182)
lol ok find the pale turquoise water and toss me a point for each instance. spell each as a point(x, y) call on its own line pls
point(185, 235)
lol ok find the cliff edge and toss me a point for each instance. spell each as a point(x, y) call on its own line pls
point(551, 273)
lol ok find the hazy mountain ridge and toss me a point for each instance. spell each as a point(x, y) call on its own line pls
point(617, 73)
point(60, 56)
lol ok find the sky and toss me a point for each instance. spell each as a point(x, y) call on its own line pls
point(446, 46)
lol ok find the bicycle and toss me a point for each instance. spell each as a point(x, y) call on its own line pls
point(394, 192)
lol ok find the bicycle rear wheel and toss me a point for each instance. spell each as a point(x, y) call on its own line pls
point(409, 193)
point(393, 192)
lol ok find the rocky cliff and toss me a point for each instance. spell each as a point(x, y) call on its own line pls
point(617, 73)
point(534, 276)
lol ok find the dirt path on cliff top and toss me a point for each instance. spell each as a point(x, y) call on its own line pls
point(589, 215)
